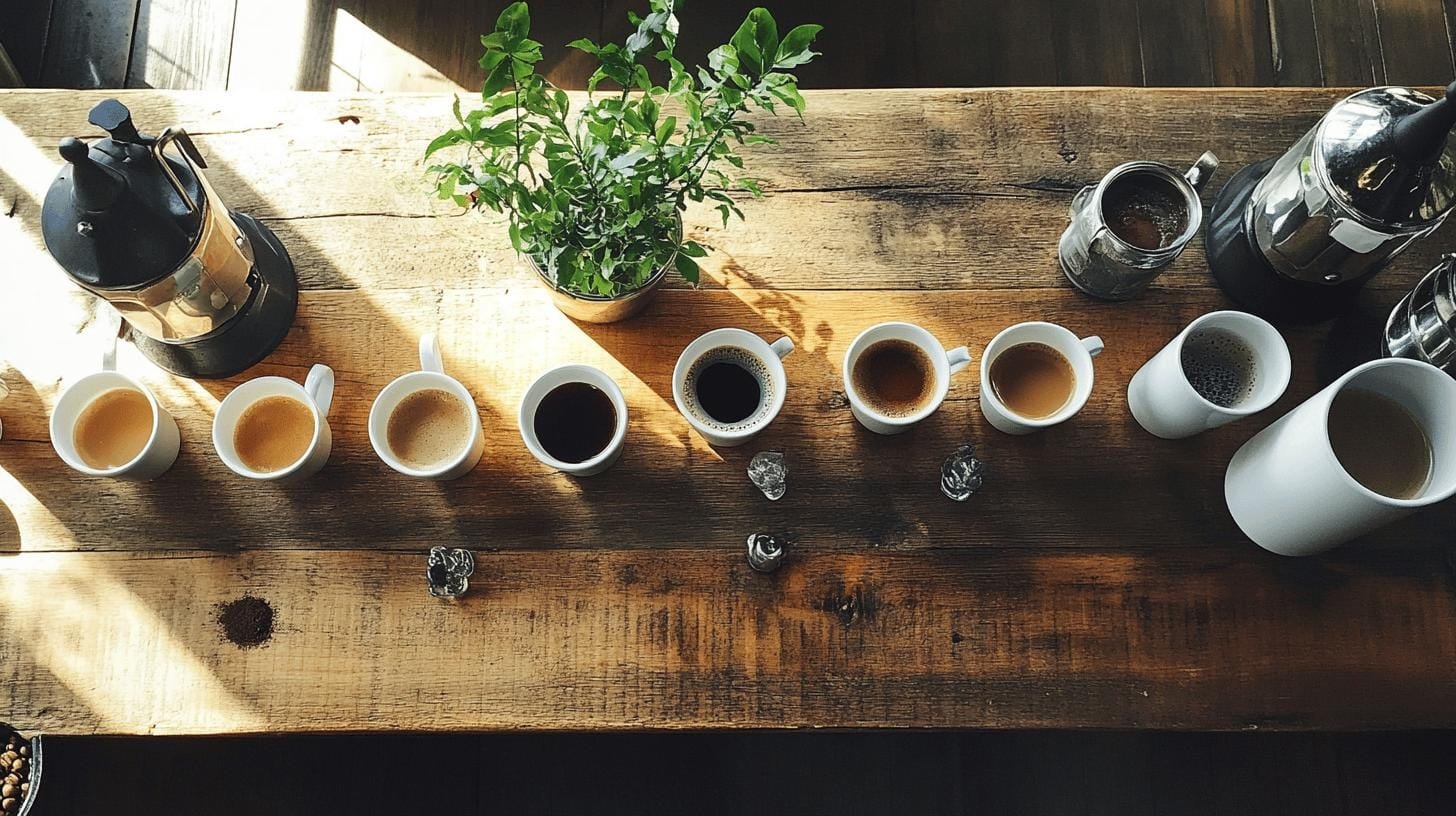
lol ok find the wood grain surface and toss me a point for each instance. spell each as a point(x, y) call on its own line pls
point(1097, 581)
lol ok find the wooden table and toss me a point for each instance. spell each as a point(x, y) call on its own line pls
point(1097, 581)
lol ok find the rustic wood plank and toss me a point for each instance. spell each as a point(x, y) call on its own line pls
point(1349, 42)
point(93, 44)
point(23, 30)
point(1175, 44)
point(1240, 42)
point(1415, 44)
point(1025, 49)
point(276, 46)
point(1102, 47)
point(692, 638)
point(181, 44)
point(955, 43)
point(1294, 49)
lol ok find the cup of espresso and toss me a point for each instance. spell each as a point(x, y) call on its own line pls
point(897, 374)
point(574, 418)
point(1376, 444)
point(273, 429)
point(425, 423)
point(1221, 367)
point(108, 424)
point(1036, 375)
point(729, 384)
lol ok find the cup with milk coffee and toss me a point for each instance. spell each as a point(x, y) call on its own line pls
point(1223, 366)
point(109, 424)
point(425, 424)
point(1035, 375)
point(274, 429)
point(897, 374)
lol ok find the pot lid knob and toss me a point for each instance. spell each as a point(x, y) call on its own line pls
point(114, 118)
point(94, 187)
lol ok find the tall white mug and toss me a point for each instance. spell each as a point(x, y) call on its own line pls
point(162, 445)
point(317, 393)
point(945, 362)
point(1287, 490)
point(1164, 402)
point(1077, 351)
point(430, 376)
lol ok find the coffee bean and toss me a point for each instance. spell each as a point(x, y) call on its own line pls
point(7, 758)
point(24, 750)
point(11, 779)
point(9, 805)
point(7, 791)
point(18, 766)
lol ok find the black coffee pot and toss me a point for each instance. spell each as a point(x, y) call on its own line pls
point(206, 291)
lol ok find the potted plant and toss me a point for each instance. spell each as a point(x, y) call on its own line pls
point(595, 195)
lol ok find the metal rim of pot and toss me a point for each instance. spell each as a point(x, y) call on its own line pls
point(651, 283)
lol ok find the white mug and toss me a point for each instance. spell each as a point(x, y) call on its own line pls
point(1078, 352)
point(544, 385)
point(769, 355)
point(945, 362)
point(317, 392)
point(1165, 404)
point(162, 445)
point(431, 375)
point(1287, 490)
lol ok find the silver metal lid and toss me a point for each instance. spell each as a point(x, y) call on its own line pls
point(1358, 157)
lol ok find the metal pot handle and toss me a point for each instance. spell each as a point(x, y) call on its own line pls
point(189, 155)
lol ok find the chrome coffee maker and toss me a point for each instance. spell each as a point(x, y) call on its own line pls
point(205, 291)
point(1295, 237)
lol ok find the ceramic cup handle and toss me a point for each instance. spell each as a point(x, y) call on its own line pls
point(320, 387)
point(782, 347)
point(1093, 345)
point(957, 358)
point(430, 354)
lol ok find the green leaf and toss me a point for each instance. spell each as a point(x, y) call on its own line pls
point(666, 129)
point(585, 44)
point(446, 139)
point(766, 32)
point(790, 95)
point(514, 21)
point(498, 78)
point(745, 42)
point(693, 249)
point(687, 267)
point(794, 49)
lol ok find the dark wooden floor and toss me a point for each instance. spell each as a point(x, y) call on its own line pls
point(432, 44)
point(424, 44)
point(784, 773)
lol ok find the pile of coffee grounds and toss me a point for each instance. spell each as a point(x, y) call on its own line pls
point(247, 622)
point(14, 770)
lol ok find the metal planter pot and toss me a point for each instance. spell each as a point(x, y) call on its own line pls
point(601, 309)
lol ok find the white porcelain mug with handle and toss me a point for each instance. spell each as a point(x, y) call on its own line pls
point(316, 393)
point(157, 453)
point(1166, 404)
point(548, 382)
point(1078, 352)
point(430, 376)
point(744, 349)
point(944, 362)
point(1287, 490)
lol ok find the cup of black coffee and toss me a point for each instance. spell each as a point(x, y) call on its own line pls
point(574, 418)
point(729, 384)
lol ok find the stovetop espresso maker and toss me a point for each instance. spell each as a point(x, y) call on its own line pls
point(1295, 237)
point(206, 291)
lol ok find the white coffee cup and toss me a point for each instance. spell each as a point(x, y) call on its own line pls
point(162, 445)
point(1078, 351)
point(317, 393)
point(945, 362)
point(1288, 492)
point(769, 355)
point(1165, 404)
point(430, 376)
point(544, 385)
